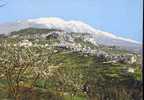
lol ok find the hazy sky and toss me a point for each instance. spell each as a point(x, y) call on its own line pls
point(121, 17)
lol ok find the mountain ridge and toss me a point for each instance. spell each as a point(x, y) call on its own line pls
point(97, 36)
point(53, 21)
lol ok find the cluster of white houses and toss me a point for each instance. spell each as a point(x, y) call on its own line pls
point(76, 47)
point(128, 58)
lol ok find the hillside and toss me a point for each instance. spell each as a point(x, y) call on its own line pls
point(98, 36)
point(58, 65)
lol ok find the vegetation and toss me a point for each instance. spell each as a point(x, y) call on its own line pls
point(52, 73)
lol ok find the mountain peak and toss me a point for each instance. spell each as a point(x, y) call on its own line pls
point(98, 36)
point(73, 26)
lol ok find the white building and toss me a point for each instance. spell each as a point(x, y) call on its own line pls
point(25, 43)
point(131, 70)
point(132, 59)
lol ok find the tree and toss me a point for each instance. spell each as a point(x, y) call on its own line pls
point(21, 66)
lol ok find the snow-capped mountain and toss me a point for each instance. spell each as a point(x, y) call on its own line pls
point(97, 36)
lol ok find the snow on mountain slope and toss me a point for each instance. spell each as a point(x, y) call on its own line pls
point(72, 26)
point(98, 36)
point(69, 26)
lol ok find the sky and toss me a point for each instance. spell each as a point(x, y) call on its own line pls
point(120, 17)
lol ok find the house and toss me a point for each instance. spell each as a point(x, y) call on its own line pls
point(131, 70)
point(25, 43)
point(129, 58)
point(132, 59)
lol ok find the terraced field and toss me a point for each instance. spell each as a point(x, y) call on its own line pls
point(52, 73)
